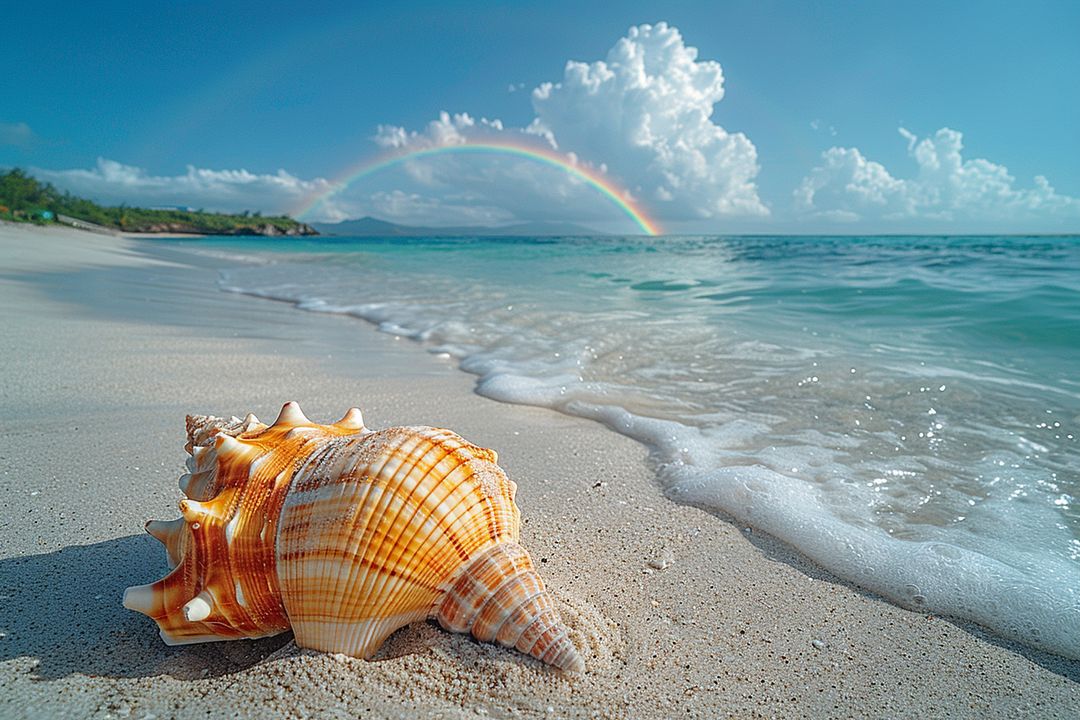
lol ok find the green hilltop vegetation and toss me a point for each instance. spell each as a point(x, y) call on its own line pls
point(25, 199)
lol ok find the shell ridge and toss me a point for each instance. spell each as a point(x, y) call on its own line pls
point(264, 588)
point(555, 646)
point(552, 641)
point(420, 559)
point(253, 583)
point(243, 562)
point(339, 455)
point(433, 569)
point(329, 583)
point(372, 567)
point(407, 529)
point(246, 561)
point(363, 527)
point(467, 585)
point(289, 573)
point(227, 576)
point(492, 611)
point(540, 624)
point(318, 467)
point(453, 514)
point(213, 604)
point(329, 627)
point(278, 475)
point(256, 578)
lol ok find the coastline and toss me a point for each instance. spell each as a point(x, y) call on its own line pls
point(109, 343)
point(159, 235)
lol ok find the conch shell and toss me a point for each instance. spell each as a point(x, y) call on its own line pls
point(344, 535)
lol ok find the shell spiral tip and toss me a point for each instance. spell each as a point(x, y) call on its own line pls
point(500, 597)
point(569, 660)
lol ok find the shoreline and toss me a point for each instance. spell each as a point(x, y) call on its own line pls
point(126, 339)
point(90, 228)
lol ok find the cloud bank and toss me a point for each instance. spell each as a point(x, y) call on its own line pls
point(642, 116)
point(947, 188)
point(114, 183)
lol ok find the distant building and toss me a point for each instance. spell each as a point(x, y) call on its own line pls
point(181, 208)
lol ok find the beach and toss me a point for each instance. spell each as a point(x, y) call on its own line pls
point(108, 342)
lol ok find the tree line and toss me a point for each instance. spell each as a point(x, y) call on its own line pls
point(23, 198)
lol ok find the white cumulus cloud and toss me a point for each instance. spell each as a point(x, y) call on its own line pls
point(946, 187)
point(645, 112)
point(642, 116)
point(114, 183)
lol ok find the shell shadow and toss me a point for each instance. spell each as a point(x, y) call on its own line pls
point(62, 611)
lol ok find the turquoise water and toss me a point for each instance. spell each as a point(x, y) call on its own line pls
point(904, 410)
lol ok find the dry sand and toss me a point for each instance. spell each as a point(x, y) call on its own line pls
point(106, 343)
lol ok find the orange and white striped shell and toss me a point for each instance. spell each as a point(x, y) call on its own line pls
point(344, 535)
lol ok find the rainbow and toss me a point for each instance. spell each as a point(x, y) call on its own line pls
point(617, 195)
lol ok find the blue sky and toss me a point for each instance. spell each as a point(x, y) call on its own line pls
point(845, 116)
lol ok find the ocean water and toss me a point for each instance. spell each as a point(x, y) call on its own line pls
point(903, 410)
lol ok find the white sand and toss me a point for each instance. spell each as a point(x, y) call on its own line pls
point(103, 352)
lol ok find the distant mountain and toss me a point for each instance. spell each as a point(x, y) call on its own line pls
point(373, 227)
